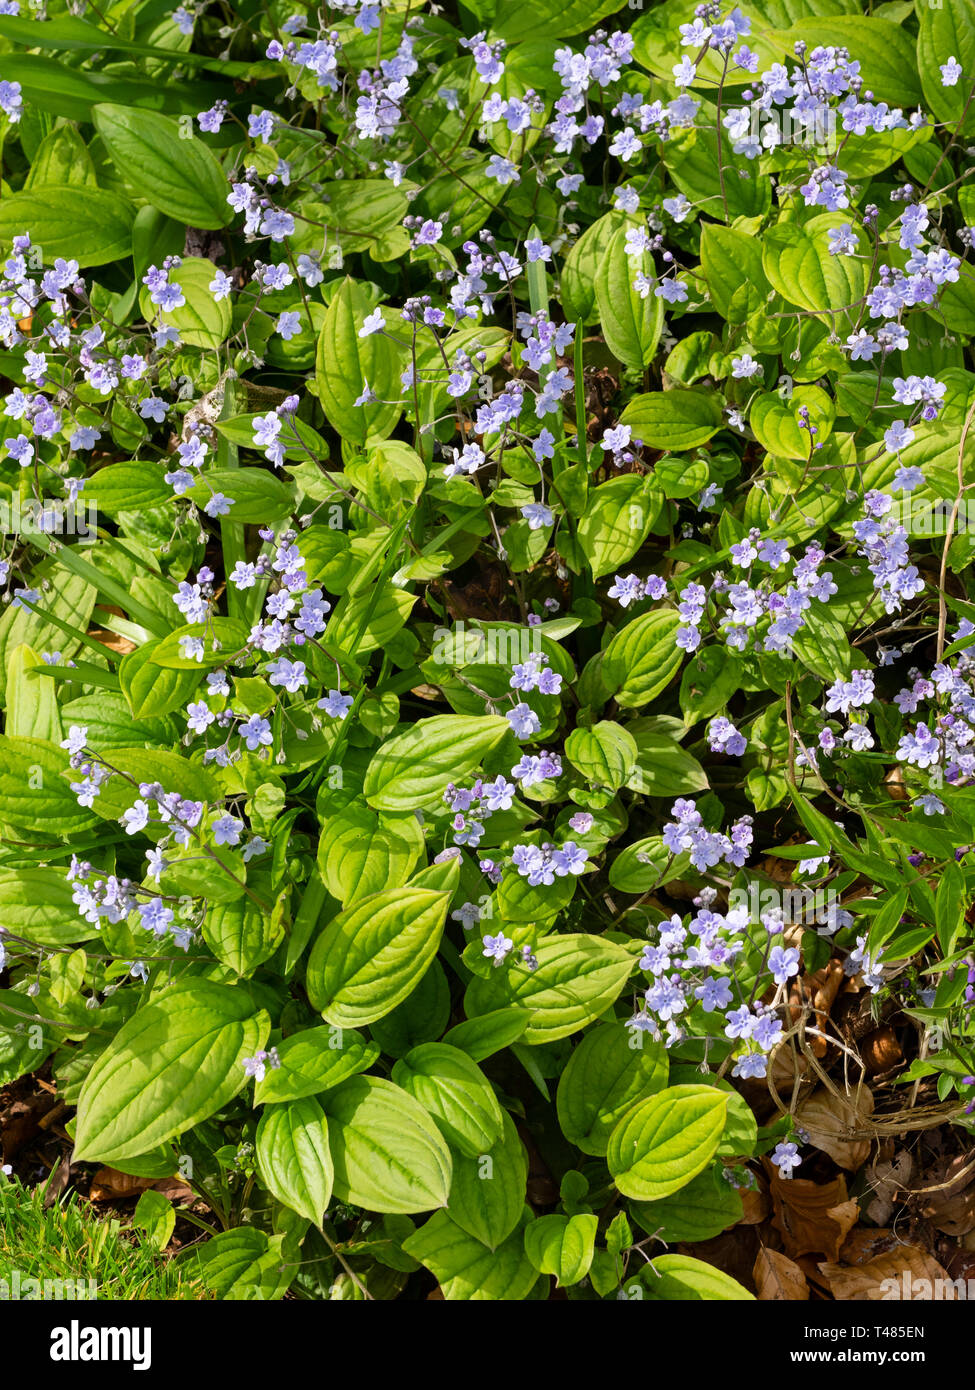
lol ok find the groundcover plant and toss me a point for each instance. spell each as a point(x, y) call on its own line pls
point(487, 783)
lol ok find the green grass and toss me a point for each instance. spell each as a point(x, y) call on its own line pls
point(65, 1246)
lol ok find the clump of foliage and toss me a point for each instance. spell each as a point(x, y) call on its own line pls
point(53, 1250)
point(487, 506)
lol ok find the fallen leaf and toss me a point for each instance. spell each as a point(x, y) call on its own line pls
point(831, 1120)
point(906, 1273)
point(109, 1185)
point(779, 1279)
point(805, 1214)
point(881, 1051)
point(863, 1244)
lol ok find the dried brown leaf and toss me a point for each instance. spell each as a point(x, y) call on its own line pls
point(779, 1279)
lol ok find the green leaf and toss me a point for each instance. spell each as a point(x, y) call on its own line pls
point(681, 1278)
point(293, 1159)
point(243, 1264)
point(884, 51)
point(154, 690)
point(223, 639)
point(562, 1245)
point(666, 1140)
point(798, 264)
point(62, 158)
point(128, 487)
point(167, 166)
point(201, 322)
point(467, 1270)
point(388, 1154)
point(177, 1060)
point(675, 420)
point(732, 265)
point(455, 1092)
point(631, 323)
point(88, 225)
point(663, 767)
point(32, 704)
point(256, 494)
point(154, 1214)
point(33, 791)
point(483, 1037)
point(946, 31)
point(345, 363)
point(617, 520)
point(372, 955)
point(361, 852)
point(610, 1070)
point(38, 904)
point(487, 1192)
point(708, 1205)
point(411, 769)
point(554, 19)
point(578, 977)
point(581, 265)
point(642, 658)
point(313, 1061)
point(241, 934)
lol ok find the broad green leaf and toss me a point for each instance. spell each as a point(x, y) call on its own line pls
point(243, 1264)
point(678, 419)
point(642, 658)
point(562, 1245)
point(347, 363)
point(798, 264)
point(579, 269)
point(32, 705)
point(128, 487)
point(88, 225)
point(663, 1142)
point(483, 1037)
point(946, 31)
point(681, 1278)
point(177, 1060)
point(612, 1069)
point(241, 934)
point(33, 791)
point(369, 957)
point(150, 689)
point(732, 265)
point(577, 978)
point(293, 1159)
point(631, 322)
point(708, 1205)
point(38, 904)
point(420, 1018)
point(201, 322)
point(605, 754)
point(549, 18)
point(663, 767)
point(387, 1152)
point(617, 520)
point(61, 159)
point(455, 1092)
point(255, 494)
point(411, 770)
point(166, 165)
point(361, 852)
point(313, 1061)
point(467, 1270)
point(487, 1192)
